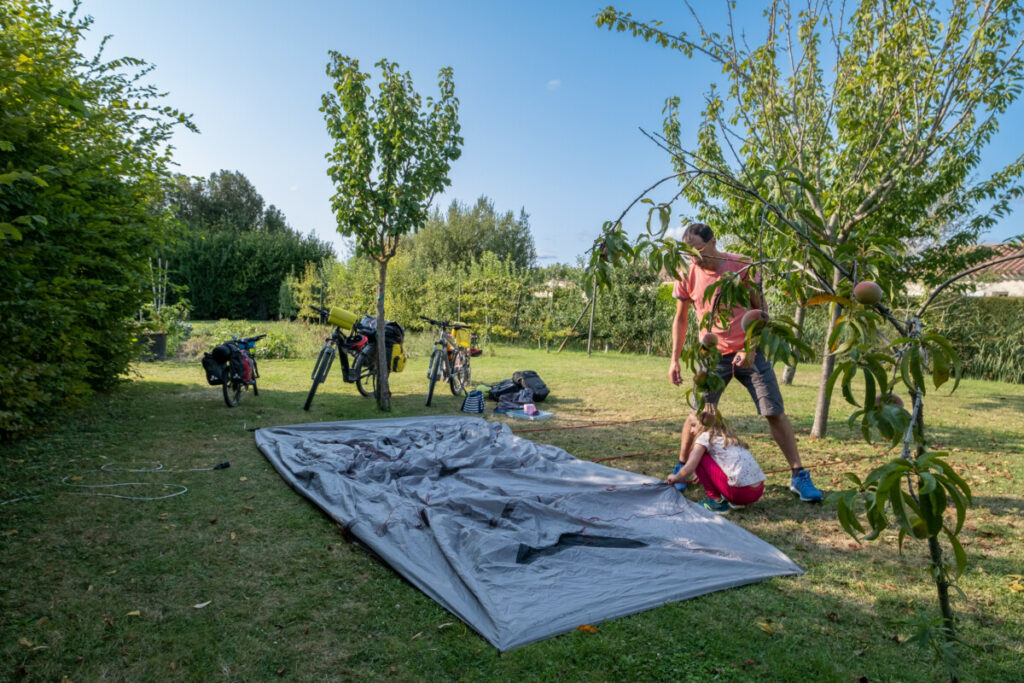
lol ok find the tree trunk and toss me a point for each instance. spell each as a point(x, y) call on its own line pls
point(790, 371)
point(593, 307)
point(383, 362)
point(828, 363)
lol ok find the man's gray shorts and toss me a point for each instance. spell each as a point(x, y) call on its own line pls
point(759, 380)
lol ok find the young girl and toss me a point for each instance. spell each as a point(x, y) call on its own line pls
point(723, 465)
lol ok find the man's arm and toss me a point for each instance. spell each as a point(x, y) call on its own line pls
point(678, 337)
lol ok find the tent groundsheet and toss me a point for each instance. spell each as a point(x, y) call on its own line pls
point(520, 540)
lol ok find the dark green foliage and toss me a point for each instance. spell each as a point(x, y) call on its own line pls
point(239, 274)
point(236, 253)
point(987, 333)
point(465, 233)
point(82, 152)
point(633, 312)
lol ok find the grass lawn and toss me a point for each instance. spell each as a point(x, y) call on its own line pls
point(240, 578)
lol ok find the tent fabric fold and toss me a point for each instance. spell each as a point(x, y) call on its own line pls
point(520, 540)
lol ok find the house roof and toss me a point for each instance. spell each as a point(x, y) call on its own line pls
point(1010, 270)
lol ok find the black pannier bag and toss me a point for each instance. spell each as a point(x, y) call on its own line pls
point(214, 370)
point(505, 386)
point(222, 353)
point(528, 379)
point(393, 332)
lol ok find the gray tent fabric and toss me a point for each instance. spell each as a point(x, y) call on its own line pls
point(520, 540)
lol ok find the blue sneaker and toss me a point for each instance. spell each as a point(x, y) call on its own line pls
point(718, 506)
point(680, 485)
point(801, 485)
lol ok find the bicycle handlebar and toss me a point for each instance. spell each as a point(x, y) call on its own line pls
point(445, 323)
point(321, 311)
point(252, 340)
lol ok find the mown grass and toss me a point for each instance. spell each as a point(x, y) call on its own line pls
point(241, 579)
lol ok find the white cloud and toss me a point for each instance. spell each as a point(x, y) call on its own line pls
point(293, 188)
point(554, 84)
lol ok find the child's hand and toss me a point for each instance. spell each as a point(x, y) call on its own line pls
point(682, 476)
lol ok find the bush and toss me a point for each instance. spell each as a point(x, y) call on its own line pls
point(987, 333)
point(83, 150)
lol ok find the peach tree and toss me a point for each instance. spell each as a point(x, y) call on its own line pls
point(918, 493)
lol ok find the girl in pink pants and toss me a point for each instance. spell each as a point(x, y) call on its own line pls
point(723, 465)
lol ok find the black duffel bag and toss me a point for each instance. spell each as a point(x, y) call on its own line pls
point(505, 386)
point(528, 379)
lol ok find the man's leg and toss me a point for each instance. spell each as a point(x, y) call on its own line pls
point(782, 431)
point(764, 389)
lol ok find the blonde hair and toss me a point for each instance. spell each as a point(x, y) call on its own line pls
point(719, 428)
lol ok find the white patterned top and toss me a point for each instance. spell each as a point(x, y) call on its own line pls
point(736, 462)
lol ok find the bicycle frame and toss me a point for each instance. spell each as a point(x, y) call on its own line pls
point(234, 384)
point(449, 360)
point(362, 370)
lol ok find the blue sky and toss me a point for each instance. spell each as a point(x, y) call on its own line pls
point(550, 104)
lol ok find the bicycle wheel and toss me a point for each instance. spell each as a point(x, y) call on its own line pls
point(459, 377)
point(366, 374)
point(320, 370)
point(433, 373)
point(232, 392)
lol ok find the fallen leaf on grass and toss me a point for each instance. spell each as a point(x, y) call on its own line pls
point(832, 616)
point(248, 508)
point(111, 572)
point(445, 625)
point(417, 635)
point(42, 620)
point(201, 605)
point(11, 532)
point(232, 535)
point(243, 479)
point(280, 672)
point(134, 613)
point(587, 628)
point(765, 627)
point(24, 641)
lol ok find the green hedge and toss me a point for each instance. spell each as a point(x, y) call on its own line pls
point(83, 146)
point(987, 332)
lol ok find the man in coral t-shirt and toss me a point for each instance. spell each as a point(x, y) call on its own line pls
point(755, 373)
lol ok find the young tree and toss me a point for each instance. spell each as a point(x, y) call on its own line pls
point(855, 127)
point(391, 156)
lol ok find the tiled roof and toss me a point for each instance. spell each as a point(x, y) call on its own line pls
point(1010, 270)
